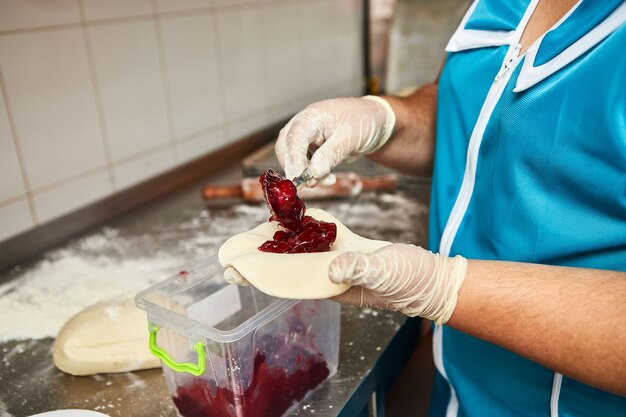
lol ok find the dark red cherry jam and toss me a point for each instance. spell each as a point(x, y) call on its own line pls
point(282, 199)
point(271, 391)
point(303, 233)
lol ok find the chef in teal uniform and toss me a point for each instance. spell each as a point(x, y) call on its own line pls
point(524, 133)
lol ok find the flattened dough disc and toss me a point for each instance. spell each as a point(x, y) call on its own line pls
point(291, 275)
point(110, 336)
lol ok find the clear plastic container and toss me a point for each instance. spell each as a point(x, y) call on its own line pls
point(229, 351)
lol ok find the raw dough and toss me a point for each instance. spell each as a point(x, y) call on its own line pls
point(106, 337)
point(291, 275)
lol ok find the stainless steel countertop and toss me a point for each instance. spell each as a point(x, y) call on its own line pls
point(29, 382)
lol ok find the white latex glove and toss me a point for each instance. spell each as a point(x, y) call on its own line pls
point(232, 276)
point(337, 129)
point(401, 277)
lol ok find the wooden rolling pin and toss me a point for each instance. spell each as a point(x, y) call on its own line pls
point(348, 184)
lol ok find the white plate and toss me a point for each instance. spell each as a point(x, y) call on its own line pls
point(70, 413)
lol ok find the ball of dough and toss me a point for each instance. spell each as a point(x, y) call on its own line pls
point(106, 337)
point(292, 275)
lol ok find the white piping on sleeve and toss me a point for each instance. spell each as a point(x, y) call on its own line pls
point(556, 392)
point(453, 405)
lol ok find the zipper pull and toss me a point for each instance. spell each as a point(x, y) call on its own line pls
point(509, 62)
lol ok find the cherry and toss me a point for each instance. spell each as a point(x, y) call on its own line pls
point(303, 233)
point(282, 199)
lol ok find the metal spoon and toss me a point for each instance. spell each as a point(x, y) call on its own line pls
point(302, 178)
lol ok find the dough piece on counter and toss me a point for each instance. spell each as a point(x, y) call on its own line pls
point(291, 275)
point(106, 337)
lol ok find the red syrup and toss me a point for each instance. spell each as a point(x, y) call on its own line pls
point(271, 392)
point(303, 233)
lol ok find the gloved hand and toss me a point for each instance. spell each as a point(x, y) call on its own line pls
point(338, 128)
point(401, 277)
point(232, 276)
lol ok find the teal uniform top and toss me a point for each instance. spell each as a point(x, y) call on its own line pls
point(530, 166)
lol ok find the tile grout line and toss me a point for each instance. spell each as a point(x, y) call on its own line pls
point(332, 20)
point(13, 200)
point(69, 180)
point(141, 154)
point(199, 133)
point(93, 171)
point(300, 47)
point(220, 72)
point(165, 81)
point(95, 85)
point(302, 35)
point(137, 18)
point(261, 9)
point(18, 150)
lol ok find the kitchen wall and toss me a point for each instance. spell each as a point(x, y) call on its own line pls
point(418, 37)
point(97, 96)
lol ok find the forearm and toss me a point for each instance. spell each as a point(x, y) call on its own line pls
point(572, 320)
point(411, 147)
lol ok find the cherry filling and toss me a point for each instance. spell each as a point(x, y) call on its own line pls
point(272, 388)
point(282, 199)
point(303, 233)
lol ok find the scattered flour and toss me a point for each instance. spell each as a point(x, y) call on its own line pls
point(3, 410)
point(38, 303)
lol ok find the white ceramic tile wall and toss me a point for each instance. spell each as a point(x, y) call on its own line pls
point(15, 217)
point(247, 125)
point(11, 181)
point(140, 169)
point(49, 92)
point(109, 9)
point(194, 86)
point(131, 86)
point(190, 149)
point(346, 21)
point(52, 203)
point(20, 14)
point(235, 2)
point(318, 46)
point(241, 39)
point(164, 6)
point(101, 95)
point(285, 67)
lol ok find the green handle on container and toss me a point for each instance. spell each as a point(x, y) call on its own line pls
point(160, 353)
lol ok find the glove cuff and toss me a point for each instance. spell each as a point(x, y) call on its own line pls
point(457, 274)
point(387, 128)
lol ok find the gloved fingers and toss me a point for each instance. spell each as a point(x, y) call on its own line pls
point(356, 268)
point(303, 130)
point(351, 297)
point(332, 152)
point(329, 179)
point(232, 276)
point(360, 297)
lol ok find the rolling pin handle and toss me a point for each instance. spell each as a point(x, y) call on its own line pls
point(215, 192)
point(380, 183)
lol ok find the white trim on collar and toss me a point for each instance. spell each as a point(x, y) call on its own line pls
point(464, 39)
point(531, 74)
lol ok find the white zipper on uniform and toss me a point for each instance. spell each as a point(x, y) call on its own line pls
point(509, 63)
point(469, 177)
